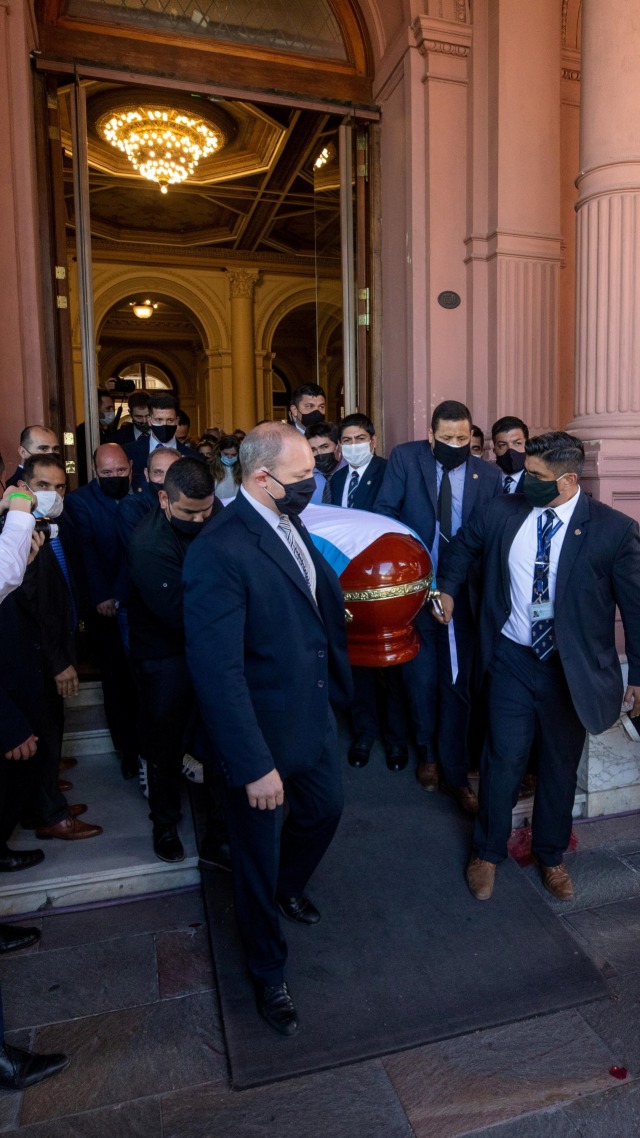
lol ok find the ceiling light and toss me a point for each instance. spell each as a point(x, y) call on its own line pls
point(163, 143)
point(143, 309)
point(327, 154)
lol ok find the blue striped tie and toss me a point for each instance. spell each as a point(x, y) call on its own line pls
point(543, 640)
point(353, 486)
point(56, 546)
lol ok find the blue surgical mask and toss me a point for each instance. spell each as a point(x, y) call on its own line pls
point(228, 459)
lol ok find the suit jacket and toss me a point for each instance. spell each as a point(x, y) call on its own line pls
point(599, 568)
point(55, 607)
point(368, 486)
point(124, 435)
point(139, 452)
point(22, 684)
point(156, 557)
point(103, 560)
point(409, 493)
point(132, 510)
point(264, 693)
point(16, 477)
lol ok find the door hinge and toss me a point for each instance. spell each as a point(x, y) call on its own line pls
point(362, 156)
point(363, 301)
point(61, 302)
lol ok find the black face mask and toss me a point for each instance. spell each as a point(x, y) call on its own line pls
point(450, 457)
point(326, 463)
point(539, 493)
point(311, 418)
point(163, 432)
point(297, 495)
point(154, 488)
point(142, 427)
point(185, 527)
point(512, 461)
point(116, 487)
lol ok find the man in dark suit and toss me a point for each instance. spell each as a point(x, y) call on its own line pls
point(252, 574)
point(509, 436)
point(138, 404)
point(435, 487)
point(34, 440)
point(555, 565)
point(135, 507)
point(163, 423)
point(358, 483)
point(94, 508)
point(324, 440)
point(156, 556)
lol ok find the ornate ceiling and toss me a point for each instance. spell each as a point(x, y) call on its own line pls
point(259, 195)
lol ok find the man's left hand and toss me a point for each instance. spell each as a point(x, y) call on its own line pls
point(632, 696)
point(67, 682)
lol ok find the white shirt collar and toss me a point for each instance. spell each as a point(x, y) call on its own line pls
point(269, 515)
point(563, 512)
point(359, 469)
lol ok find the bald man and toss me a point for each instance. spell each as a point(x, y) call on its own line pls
point(34, 441)
point(94, 510)
point(266, 699)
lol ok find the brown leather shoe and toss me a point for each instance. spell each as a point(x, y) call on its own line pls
point(67, 765)
point(70, 830)
point(64, 785)
point(77, 809)
point(427, 776)
point(464, 796)
point(480, 878)
point(556, 879)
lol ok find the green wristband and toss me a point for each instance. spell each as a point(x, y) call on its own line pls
point(19, 494)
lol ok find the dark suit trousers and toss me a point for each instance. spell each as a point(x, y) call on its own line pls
point(120, 703)
point(49, 805)
point(528, 700)
point(166, 702)
point(17, 781)
point(439, 707)
point(378, 708)
point(274, 855)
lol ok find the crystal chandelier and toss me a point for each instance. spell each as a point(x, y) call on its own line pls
point(163, 143)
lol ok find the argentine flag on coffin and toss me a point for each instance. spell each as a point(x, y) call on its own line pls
point(340, 535)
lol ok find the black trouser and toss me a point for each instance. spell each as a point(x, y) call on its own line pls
point(528, 699)
point(439, 706)
point(378, 708)
point(18, 778)
point(273, 856)
point(48, 804)
point(166, 701)
point(118, 687)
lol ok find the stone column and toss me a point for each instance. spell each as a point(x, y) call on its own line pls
point(219, 402)
point(514, 242)
point(607, 407)
point(242, 283)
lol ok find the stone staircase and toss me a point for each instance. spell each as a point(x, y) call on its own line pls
point(121, 862)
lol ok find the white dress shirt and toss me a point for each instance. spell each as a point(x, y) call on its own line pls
point(522, 556)
point(360, 472)
point(154, 443)
point(15, 546)
point(273, 519)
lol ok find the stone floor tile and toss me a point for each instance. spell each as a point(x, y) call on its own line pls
point(610, 933)
point(460, 1085)
point(544, 1124)
point(130, 918)
point(82, 981)
point(613, 832)
point(131, 1054)
point(347, 1102)
point(599, 877)
point(129, 1120)
point(617, 1021)
point(184, 962)
point(615, 1114)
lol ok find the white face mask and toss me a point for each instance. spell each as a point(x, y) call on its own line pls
point(356, 454)
point(50, 504)
point(108, 418)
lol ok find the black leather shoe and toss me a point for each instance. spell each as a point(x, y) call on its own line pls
point(216, 853)
point(129, 766)
point(397, 756)
point(298, 909)
point(13, 937)
point(20, 1069)
point(13, 860)
point(276, 1006)
point(359, 753)
point(167, 845)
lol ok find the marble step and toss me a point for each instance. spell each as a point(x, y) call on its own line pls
point(86, 731)
point(90, 695)
point(119, 863)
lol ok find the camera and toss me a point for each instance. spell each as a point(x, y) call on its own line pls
point(123, 386)
point(43, 525)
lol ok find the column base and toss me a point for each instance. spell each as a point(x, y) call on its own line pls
point(612, 473)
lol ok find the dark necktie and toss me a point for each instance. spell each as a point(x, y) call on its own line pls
point(542, 635)
point(353, 486)
point(284, 525)
point(444, 506)
point(508, 483)
point(56, 546)
point(326, 492)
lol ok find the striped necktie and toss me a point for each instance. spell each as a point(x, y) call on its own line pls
point(543, 640)
point(56, 546)
point(284, 525)
point(353, 486)
point(508, 483)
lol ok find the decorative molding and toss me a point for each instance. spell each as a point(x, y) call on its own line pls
point(461, 11)
point(565, 9)
point(445, 37)
point(242, 283)
point(571, 73)
point(164, 254)
point(445, 48)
